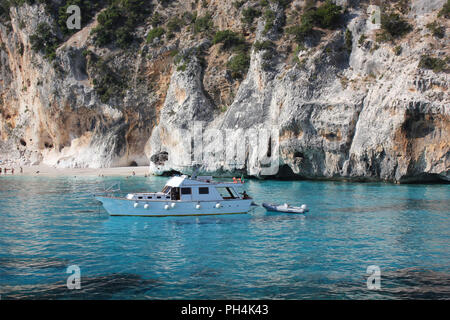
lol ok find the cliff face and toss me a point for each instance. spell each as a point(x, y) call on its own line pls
point(337, 104)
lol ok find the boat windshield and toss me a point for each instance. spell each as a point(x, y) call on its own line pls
point(227, 193)
point(166, 189)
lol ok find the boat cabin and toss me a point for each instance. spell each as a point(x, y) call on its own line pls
point(182, 188)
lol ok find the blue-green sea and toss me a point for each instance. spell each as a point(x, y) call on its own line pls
point(49, 224)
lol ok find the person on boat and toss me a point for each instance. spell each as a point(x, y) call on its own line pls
point(245, 195)
point(234, 180)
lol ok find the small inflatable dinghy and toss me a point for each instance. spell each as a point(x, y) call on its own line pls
point(285, 208)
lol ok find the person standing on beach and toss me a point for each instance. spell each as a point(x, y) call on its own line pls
point(12, 170)
point(21, 170)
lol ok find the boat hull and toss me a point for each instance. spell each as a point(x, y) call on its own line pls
point(124, 207)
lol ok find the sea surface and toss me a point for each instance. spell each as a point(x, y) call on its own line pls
point(49, 224)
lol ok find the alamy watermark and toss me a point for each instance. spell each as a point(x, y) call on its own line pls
point(374, 279)
point(74, 280)
point(374, 13)
point(232, 149)
point(74, 20)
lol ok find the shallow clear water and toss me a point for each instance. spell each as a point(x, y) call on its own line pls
point(47, 224)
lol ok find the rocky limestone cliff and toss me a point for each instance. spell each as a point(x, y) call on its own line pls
point(339, 105)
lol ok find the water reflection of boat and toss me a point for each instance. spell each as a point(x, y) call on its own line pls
point(182, 196)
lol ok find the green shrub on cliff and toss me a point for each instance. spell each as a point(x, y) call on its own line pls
point(435, 64)
point(300, 32)
point(445, 11)
point(238, 65)
point(117, 23)
point(249, 14)
point(107, 82)
point(156, 20)
point(44, 40)
point(4, 11)
point(155, 33)
point(393, 26)
point(174, 24)
point(269, 17)
point(229, 40)
point(108, 20)
point(239, 3)
point(326, 16)
point(282, 3)
point(437, 30)
point(264, 45)
point(203, 24)
point(348, 40)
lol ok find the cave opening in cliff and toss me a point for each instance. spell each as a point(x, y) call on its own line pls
point(23, 143)
point(298, 154)
point(285, 173)
point(133, 164)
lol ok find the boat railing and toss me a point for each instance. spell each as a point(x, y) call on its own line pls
point(112, 189)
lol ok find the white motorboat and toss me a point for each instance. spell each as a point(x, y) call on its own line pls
point(182, 196)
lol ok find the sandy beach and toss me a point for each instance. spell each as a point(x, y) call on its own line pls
point(48, 171)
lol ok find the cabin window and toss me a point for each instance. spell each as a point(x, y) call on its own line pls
point(186, 191)
point(203, 190)
point(149, 197)
point(140, 198)
point(158, 197)
point(166, 189)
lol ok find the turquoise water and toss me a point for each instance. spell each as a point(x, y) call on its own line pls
point(48, 224)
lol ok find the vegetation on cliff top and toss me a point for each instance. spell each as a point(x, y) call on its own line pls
point(117, 26)
point(327, 16)
point(393, 26)
point(117, 23)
